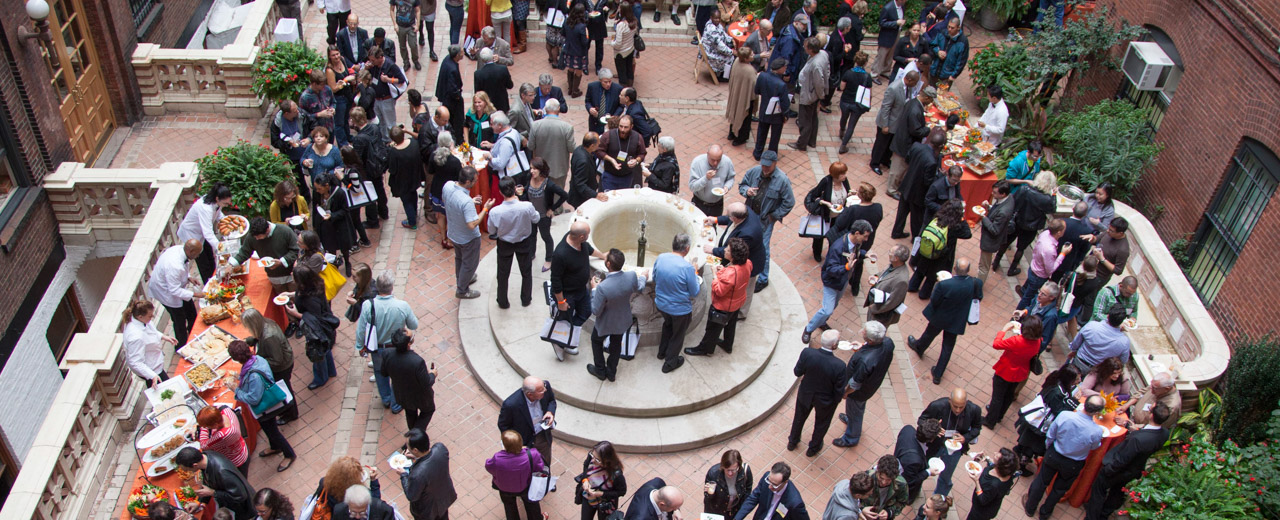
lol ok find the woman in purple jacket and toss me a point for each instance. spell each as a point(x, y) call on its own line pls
point(512, 468)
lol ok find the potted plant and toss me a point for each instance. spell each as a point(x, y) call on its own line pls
point(250, 170)
point(994, 15)
point(281, 70)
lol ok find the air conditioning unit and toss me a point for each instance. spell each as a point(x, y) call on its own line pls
point(1147, 66)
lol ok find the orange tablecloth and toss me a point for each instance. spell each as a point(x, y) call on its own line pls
point(740, 31)
point(974, 187)
point(258, 289)
point(1079, 492)
point(486, 190)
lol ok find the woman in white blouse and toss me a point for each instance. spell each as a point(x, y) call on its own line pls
point(143, 344)
point(199, 223)
point(624, 51)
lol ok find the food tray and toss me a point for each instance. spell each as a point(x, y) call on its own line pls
point(233, 235)
point(165, 432)
point(210, 347)
point(164, 450)
point(198, 369)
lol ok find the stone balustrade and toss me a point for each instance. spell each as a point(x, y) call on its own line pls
point(207, 80)
point(92, 415)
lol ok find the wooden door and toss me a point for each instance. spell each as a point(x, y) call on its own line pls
point(77, 78)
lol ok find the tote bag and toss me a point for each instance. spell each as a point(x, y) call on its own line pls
point(813, 226)
point(274, 397)
point(539, 481)
point(315, 507)
point(333, 281)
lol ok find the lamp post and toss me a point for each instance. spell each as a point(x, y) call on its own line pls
point(38, 11)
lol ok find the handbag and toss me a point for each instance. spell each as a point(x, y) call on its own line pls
point(813, 226)
point(639, 43)
point(718, 316)
point(333, 281)
point(1037, 366)
point(1036, 414)
point(975, 311)
point(316, 507)
point(274, 396)
point(630, 341)
point(1068, 299)
point(539, 481)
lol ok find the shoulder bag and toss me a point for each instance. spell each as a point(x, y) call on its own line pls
point(539, 480)
point(274, 396)
point(316, 507)
point(1068, 299)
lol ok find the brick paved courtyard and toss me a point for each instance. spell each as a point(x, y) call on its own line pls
point(343, 418)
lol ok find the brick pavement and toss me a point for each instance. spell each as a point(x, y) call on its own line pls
point(345, 418)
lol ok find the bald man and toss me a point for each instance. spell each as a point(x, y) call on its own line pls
point(655, 500)
point(948, 313)
point(961, 422)
point(531, 412)
point(570, 274)
point(173, 285)
point(709, 174)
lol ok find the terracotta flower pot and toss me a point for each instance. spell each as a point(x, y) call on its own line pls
point(991, 21)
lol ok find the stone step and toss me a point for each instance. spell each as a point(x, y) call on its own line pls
point(734, 414)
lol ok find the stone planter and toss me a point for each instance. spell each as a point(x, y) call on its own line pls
point(991, 21)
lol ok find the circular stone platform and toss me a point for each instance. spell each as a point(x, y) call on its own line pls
point(705, 401)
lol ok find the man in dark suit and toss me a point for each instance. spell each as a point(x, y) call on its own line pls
point(943, 189)
point(629, 105)
point(411, 381)
point(655, 500)
point(1081, 237)
point(427, 484)
point(961, 422)
point(948, 313)
point(922, 168)
point(789, 507)
point(584, 178)
point(996, 225)
point(1124, 463)
point(891, 105)
point(531, 411)
point(916, 444)
point(611, 306)
point(821, 387)
point(449, 91)
point(352, 41)
point(761, 43)
point(745, 224)
point(493, 79)
point(864, 373)
point(601, 99)
point(891, 21)
point(912, 128)
point(777, 13)
point(547, 90)
point(774, 104)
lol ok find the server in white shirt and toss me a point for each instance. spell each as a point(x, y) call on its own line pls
point(709, 173)
point(143, 343)
point(513, 223)
point(170, 278)
point(995, 117)
point(199, 223)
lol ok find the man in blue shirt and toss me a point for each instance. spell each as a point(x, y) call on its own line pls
point(768, 193)
point(1070, 439)
point(675, 283)
point(460, 208)
point(1097, 341)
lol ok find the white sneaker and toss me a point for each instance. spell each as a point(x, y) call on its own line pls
point(372, 379)
point(369, 364)
point(572, 351)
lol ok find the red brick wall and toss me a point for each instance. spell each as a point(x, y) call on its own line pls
point(172, 21)
point(19, 268)
point(115, 38)
point(1226, 94)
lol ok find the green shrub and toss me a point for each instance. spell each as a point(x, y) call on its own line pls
point(1005, 9)
point(1106, 142)
point(1250, 389)
point(1196, 480)
point(1263, 465)
point(250, 171)
point(1002, 64)
point(871, 20)
point(282, 68)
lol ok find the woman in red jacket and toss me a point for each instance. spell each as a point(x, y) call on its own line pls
point(728, 293)
point(1014, 364)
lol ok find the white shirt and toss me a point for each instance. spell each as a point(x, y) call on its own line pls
point(335, 6)
point(995, 117)
point(653, 501)
point(198, 223)
point(535, 414)
point(142, 349)
point(170, 276)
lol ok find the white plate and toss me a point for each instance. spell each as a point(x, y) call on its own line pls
point(849, 345)
point(164, 432)
point(979, 211)
point(163, 466)
point(943, 276)
point(148, 457)
point(266, 262)
point(719, 192)
point(936, 464)
point(236, 235)
point(968, 466)
point(296, 220)
point(280, 300)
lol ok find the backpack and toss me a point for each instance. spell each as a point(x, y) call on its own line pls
point(376, 161)
point(654, 128)
point(933, 240)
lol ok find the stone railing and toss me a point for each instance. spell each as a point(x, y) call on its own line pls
point(93, 412)
point(207, 80)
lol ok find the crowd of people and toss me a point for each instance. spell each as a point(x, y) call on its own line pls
point(343, 138)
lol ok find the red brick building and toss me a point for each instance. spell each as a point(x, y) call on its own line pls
point(58, 102)
point(1217, 177)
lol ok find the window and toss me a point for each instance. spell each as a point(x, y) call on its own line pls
point(67, 320)
point(1246, 189)
point(14, 182)
point(145, 14)
point(1156, 100)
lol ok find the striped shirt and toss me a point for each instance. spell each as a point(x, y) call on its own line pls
point(227, 441)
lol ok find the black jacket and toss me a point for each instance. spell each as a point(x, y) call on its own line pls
point(230, 489)
point(336, 233)
point(1127, 461)
point(752, 231)
point(583, 183)
point(449, 82)
point(641, 506)
point(913, 458)
point(514, 414)
point(665, 171)
point(1079, 247)
point(968, 424)
point(388, 47)
point(922, 170)
point(617, 485)
point(867, 368)
point(762, 497)
point(378, 510)
point(912, 127)
point(360, 53)
point(366, 143)
point(718, 503)
point(1031, 208)
point(822, 376)
point(604, 101)
point(411, 382)
point(495, 80)
point(939, 193)
point(904, 50)
point(552, 195)
point(888, 25)
point(822, 191)
point(872, 213)
point(948, 306)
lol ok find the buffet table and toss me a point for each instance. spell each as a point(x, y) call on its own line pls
point(258, 290)
point(975, 187)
